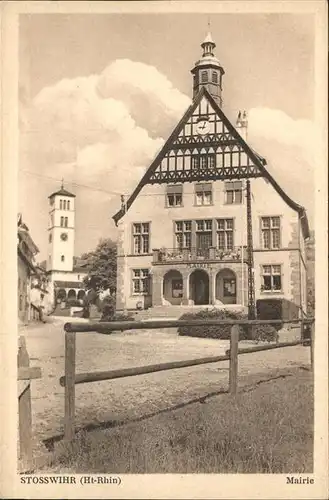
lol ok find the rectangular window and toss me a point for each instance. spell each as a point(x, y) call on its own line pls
point(62, 221)
point(174, 196)
point(64, 204)
point(66, 221)
point(203, 236)
point(203, 162)
point(141, 281)
point(233, 192)
point(60, 204)
point(271, 232)
point(183, 232)
point(225, 234)
point(141, 238)
point(203, 194)
point(271, 278)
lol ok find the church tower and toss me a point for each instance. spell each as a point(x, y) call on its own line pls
point(61, 231)
point(208, 72)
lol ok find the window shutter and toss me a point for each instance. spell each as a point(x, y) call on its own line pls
point(175, 189)
point(200, 188)
point(233, 186)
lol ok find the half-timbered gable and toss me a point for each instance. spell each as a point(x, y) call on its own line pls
point(208, 223)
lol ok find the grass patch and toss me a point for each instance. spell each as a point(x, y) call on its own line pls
point(266, 430)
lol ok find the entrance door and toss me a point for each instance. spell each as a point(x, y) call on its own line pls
point(203, 242)
point(199, 287)
point(226, 286)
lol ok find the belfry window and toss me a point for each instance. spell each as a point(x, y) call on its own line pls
point(204, 76)
point(174, 196)
point(62, 258)
point(214, 77)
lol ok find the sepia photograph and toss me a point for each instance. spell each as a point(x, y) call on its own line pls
point(166, 231)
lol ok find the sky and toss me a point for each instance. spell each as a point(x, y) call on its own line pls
point(100, 93)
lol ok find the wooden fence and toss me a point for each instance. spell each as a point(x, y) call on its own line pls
point(71, 378)
point(24, 376)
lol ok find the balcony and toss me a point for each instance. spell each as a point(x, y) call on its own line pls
point(177, 255)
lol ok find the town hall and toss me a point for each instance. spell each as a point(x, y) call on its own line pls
point(208, 225)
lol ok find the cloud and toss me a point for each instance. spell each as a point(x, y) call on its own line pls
point(98, 130)
point(103, 130)
point(274, 124)
point(289, 147)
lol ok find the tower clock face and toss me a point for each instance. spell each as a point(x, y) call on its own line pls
point(64, 236)
point(203, 127)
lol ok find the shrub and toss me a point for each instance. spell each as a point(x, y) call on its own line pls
point(222, 332)
point(109, 314)
point(264, 333)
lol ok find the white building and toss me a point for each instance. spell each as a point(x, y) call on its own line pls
point(65, 271)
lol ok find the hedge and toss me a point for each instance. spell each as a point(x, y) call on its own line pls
point(256, 332)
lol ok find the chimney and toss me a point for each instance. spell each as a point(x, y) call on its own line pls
point(242, 124)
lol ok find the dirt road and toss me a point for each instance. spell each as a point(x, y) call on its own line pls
point(132, 397)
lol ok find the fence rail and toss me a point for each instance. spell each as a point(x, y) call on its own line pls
point(71, 378)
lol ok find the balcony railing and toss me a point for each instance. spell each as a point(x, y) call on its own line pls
point(169, 255)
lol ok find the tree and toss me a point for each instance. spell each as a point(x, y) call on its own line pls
point(102, 266)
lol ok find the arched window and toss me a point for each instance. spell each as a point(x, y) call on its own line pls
point(214, 77)
point(62, 258)
point(68, 204)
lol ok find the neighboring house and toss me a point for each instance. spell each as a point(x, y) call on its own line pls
point(41, 292)
point(65, 272)
point(26, 251)
point(207, 223)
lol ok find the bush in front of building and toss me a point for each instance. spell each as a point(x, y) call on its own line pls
point(258, 333)
point(222, 332)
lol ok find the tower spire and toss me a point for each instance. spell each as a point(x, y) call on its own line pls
point(62, 184)
point(208, 71)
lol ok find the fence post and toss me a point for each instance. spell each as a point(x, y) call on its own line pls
point(69, 417)
point(234, 341)
point(24, 409)
point(312, 345)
